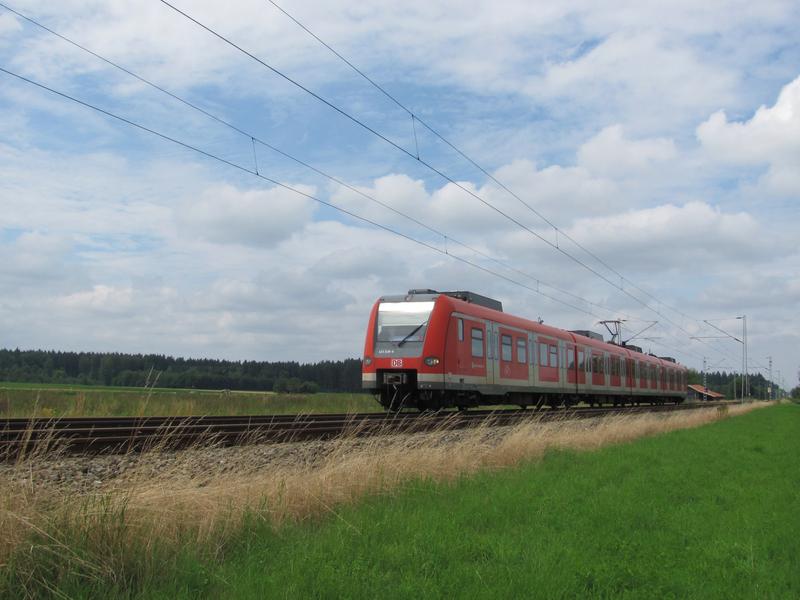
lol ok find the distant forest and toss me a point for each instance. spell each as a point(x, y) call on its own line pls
point(139, 370)
point(723, 383)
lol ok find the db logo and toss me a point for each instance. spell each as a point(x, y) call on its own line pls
point(397, 363)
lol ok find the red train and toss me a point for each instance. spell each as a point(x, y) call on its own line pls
point(432, 350)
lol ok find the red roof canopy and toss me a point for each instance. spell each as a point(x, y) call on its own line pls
point(701, 390)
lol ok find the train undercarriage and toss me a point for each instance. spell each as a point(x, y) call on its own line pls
point(403, 393)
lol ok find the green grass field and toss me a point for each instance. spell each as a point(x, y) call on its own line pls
point(708, 513)
point(55, 400)
point(700, 513)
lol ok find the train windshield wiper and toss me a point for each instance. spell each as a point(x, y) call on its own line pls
point(413, 331)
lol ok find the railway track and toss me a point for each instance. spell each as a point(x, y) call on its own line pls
point(123, 434)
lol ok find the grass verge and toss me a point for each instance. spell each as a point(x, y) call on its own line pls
point(54, 401)
point(599, 523)
point(711, 513)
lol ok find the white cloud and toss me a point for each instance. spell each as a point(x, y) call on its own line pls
point(688, 237)
point(35, 262)
point(556, 192)
point(8, 24)
point(100, 298)
point(644, 74)
point(611, 153)
point(771, 137)
point(227, 215)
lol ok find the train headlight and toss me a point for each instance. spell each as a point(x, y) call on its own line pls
point(367, 360)
point(432, 361)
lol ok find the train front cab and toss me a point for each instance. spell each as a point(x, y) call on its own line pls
point(398, 368)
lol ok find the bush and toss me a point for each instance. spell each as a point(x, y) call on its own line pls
point(293, 385)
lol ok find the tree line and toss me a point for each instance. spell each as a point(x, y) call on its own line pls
point(158, 370)
point(725, 383)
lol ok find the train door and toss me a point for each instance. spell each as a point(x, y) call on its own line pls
point(572, 369)
point(492, 354)
point(453, 356)
point(631, 374)
point(643, 369)
point(587, 371)
point(598, 370)
point(465, 352)
point(615, 371)
point(560, 362)
point(581, 367)
point(532, 378)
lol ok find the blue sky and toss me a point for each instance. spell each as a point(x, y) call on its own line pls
point(665, 139)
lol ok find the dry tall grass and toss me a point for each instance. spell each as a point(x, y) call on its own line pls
point(201, 502)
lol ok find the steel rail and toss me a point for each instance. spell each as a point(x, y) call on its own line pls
point(123, 434)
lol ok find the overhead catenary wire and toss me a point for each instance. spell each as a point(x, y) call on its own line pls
point(416, 118)
point(429, 166)
point(397, 146)
point(287, 187)
point(255, 139)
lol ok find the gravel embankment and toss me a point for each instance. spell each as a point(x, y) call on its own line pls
point(97, 473)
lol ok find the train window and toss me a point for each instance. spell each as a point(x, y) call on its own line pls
point(571, 358)
point(505, 341)
point(461, 330)
point(597, 364)
point(477, 342)
point(522, 350)
point(553, 356)
point(542, 354)
point(581, 360)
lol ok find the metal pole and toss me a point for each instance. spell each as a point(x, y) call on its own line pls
point(705, 381)
point(746, 378)
point(744, 353)
point(771, 385)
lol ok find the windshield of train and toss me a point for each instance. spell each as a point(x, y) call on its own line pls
point(403, 322)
